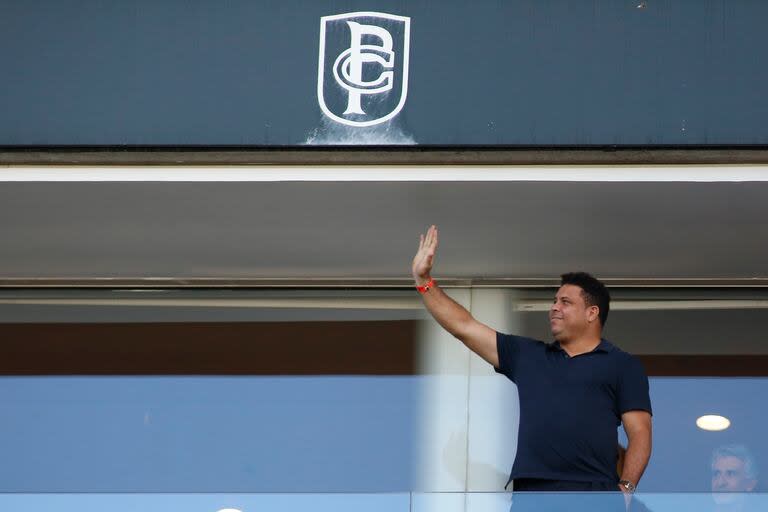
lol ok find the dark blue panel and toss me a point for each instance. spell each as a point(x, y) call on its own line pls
point(530, 72)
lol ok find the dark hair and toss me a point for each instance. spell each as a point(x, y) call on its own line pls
point(594, 292)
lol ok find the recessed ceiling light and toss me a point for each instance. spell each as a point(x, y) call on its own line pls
point(229, 510)
point(713, 423)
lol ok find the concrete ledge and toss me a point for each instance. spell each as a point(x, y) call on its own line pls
point(377, 155)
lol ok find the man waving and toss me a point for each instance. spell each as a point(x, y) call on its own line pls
point(574, 392)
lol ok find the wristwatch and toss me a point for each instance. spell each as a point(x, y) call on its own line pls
point(629, 486)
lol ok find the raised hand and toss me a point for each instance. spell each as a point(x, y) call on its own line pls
point(451, 315)
point(422, 262)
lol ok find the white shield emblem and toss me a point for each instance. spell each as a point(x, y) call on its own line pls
point(362, 77)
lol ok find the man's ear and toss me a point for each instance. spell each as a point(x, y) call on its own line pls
point(593, 313)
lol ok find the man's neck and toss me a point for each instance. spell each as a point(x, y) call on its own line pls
point(581, 345)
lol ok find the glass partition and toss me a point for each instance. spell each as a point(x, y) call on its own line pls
point(207, 434)
point(276, 394)
point(387, 502)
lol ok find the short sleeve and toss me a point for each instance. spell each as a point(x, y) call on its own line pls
point(508, 348)
point(633, 388)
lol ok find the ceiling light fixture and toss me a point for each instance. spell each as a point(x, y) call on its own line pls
point(713, 423)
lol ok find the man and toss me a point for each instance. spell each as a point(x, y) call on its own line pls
point(574, 392)
point(734, 473)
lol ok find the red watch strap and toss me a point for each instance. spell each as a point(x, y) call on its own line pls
point(425, 288)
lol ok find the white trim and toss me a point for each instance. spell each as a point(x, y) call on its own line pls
point(357, 173)
point(659, 305)
point(377, 303)
point(288, 303)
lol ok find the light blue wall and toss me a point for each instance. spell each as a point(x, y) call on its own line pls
point(681, 451)
point(207, 434)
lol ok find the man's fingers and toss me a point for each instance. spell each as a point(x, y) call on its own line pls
point(428, 241)
point(430, 235)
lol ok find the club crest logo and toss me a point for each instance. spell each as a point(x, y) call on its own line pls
point(362, 77)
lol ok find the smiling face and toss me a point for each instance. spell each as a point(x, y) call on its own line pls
point(570, 317)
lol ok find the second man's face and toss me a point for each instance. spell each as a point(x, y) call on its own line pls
point(729, 475)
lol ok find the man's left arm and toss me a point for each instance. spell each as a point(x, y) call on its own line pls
point(637, 425)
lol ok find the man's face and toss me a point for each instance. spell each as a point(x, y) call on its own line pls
point(729, 475)
point(569, 315)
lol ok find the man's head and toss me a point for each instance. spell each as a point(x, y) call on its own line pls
point(733, 470)
point(580, 307)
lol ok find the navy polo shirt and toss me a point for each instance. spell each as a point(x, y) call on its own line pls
point(570, 407)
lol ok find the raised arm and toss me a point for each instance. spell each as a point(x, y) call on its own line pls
point(480, 338)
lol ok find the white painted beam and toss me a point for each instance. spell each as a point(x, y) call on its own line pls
point(404, 173)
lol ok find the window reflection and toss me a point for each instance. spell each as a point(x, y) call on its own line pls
point(688, 459)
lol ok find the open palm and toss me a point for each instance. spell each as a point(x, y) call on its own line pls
point(422, 262)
